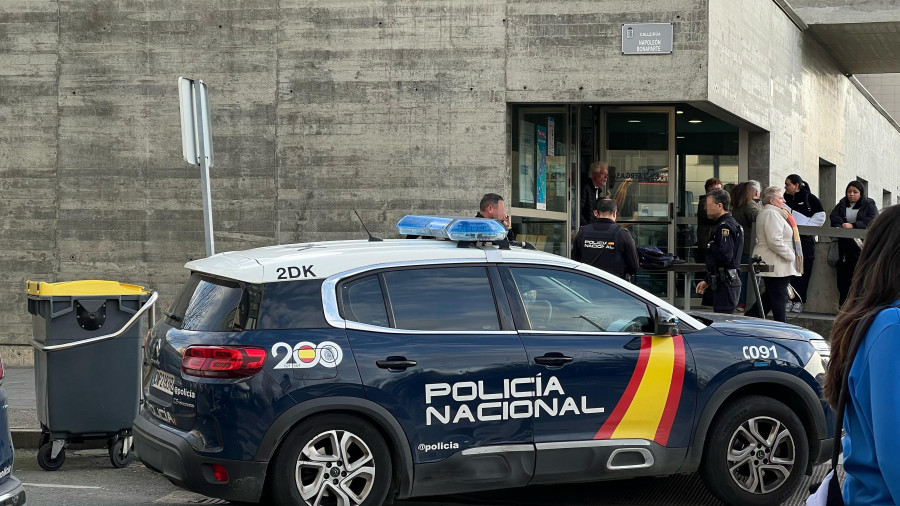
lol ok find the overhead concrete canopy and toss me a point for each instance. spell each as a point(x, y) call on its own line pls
point(862, 48)
point(862, 35)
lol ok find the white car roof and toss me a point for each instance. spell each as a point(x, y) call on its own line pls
point(323, 259)
point(320, 260)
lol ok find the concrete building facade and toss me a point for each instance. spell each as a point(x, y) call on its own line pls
point(322, 107)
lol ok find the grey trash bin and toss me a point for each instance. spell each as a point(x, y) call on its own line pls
point(87, 352)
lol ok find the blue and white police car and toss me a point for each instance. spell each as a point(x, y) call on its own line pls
point(357, 372)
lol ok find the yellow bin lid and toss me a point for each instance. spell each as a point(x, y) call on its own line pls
point(84, 287)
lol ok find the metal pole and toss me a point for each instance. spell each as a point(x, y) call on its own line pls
point(204, 173)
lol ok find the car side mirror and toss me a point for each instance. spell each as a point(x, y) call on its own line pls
point(665, 324)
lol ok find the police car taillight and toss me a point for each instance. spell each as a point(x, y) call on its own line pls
point(222, 361)
point(454, 229)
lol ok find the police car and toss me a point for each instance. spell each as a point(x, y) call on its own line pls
point(357, 372)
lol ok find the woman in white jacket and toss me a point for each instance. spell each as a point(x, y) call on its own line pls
point(778, 244)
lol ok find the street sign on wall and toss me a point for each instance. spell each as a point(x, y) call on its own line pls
point(647, 38)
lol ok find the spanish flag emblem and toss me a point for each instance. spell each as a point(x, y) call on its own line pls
point(647, 408)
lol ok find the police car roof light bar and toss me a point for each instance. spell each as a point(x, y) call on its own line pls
point(453, 228)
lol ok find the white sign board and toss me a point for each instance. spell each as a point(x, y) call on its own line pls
point(196, 134)
point(647, 38)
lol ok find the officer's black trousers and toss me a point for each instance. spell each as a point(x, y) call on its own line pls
point(725, 297)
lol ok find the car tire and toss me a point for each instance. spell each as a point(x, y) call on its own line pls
point(327, 456)
point(756, 452)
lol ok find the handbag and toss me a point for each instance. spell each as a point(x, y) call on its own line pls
point(834, 253)
point(828, 492)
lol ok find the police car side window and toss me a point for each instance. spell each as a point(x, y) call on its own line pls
point(557, 300)
point(363, 302)
point(292, 305)
point(442, 298)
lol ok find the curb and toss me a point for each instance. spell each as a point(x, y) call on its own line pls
point(26, 438)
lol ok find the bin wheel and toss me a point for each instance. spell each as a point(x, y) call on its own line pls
point(115, 454)
point(44, 460)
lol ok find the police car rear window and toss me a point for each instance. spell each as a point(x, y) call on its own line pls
point(292, 305)
point(215, 305)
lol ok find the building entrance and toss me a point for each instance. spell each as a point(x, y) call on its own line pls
point(659, 158)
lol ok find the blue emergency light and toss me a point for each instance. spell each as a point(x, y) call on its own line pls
point(454, 229)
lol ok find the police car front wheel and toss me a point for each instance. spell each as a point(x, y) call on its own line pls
point(756, 452)
point(329, 460)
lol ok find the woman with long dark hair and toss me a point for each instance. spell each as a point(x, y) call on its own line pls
point(856, 211)
point(745, 209)
point(871, 445)
point(806, 210)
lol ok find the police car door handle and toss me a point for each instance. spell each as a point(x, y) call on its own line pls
point(395, 363)
point(557, 359)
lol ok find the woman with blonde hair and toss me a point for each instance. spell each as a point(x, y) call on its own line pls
point(778, 244)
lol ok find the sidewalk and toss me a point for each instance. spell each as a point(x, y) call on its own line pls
point(18, 383)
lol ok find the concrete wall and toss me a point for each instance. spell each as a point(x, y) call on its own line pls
point(816, 12)
point(572, 52)
point(886, 90)
point(763, 68)
point(322, 107)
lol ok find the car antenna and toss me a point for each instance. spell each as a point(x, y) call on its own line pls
point(372, 238)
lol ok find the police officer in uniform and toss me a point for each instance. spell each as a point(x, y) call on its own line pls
point(606, 245)
point(723, 254)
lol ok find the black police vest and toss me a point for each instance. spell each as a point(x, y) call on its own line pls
point(600, 249)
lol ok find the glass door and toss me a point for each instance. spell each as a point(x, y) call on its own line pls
point(539, 157)
point(638, 146)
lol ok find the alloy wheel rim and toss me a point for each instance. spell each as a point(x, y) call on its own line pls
point(335, 468)
point(761, 455)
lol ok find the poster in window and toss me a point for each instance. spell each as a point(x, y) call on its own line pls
point(526, 163)
point(556, 176)
point(541, 167)
point(551, 137)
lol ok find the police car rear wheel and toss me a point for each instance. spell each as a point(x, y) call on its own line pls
point(332, 460)
point(756, 452)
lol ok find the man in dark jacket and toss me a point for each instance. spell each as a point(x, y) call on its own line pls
point(723, 254)
point(593, 191)
point(492, 206)
point(854, 211)
point(604, 244)
point(705, 222)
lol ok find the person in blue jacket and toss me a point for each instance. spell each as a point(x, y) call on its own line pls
point(871, 444)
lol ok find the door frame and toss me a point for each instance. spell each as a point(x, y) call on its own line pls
point(670, 134)
point(562, 216)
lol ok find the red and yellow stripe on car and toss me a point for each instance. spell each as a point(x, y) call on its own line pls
point(647, 408)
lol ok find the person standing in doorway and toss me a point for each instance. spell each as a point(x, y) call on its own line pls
point(604, 244)
point(806, 210)
point(778, 244)
point(723, 254)
point(855, 211)
point(493, 207)
point(593, 191)
point(745, 210)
